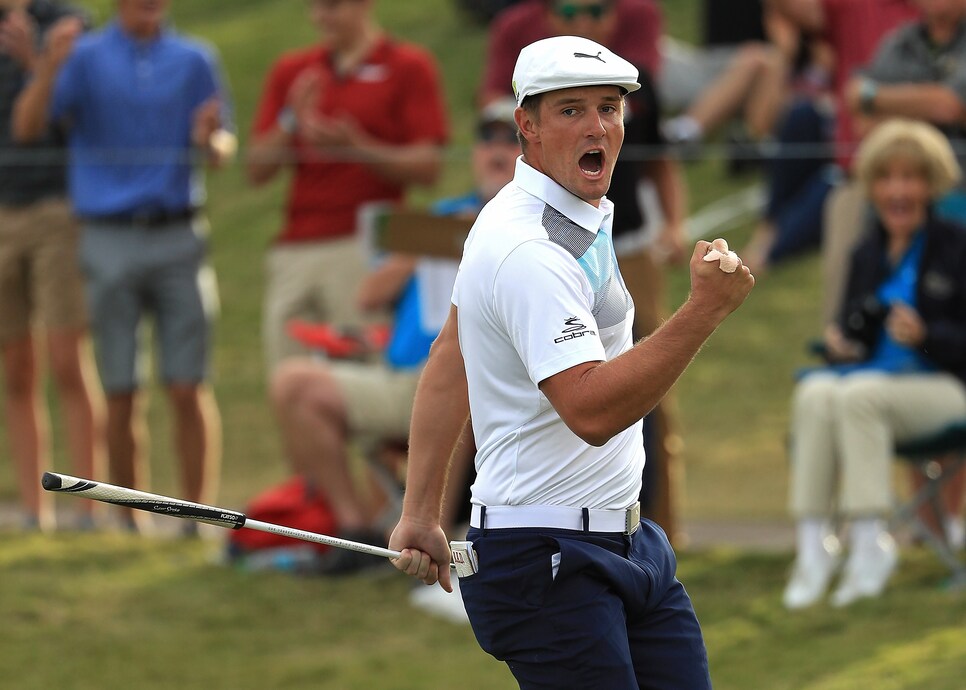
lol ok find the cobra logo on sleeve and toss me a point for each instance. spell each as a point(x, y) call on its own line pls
point(573, 328)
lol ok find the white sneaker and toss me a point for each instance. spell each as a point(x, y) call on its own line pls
point(956, 532)
point(438, 602)
point(811, 579)
point(867, 571)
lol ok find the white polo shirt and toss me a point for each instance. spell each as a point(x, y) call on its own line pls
point(538, 292)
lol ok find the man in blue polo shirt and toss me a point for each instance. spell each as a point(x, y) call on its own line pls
point(143, 107)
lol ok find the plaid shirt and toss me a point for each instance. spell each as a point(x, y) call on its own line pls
point(908, 56)
point(30, 173)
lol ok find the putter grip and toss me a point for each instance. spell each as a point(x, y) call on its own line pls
point(51, 482)
point(132, 498)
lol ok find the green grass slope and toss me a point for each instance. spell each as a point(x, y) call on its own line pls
point(112, 612)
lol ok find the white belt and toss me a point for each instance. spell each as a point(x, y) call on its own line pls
point(557, 517)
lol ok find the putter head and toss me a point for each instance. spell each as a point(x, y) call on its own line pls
point(464, 558)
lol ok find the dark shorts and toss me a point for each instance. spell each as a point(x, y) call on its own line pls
point(132, 272)
point(568, 609)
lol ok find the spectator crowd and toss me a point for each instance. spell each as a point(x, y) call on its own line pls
point(106, 133)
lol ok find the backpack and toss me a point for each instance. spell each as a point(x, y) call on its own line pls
point(289, 504)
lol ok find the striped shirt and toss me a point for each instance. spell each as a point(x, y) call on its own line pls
point(38, 171)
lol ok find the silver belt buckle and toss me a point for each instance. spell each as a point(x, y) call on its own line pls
point(632, 518)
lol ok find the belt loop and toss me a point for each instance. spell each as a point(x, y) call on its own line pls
point(585, 518)
point(482, 517)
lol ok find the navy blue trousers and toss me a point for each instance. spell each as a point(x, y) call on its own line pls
point(569, 609)
point(798, 184)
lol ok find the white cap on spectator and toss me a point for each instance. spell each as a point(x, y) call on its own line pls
point(499, 111)
point(565, 62)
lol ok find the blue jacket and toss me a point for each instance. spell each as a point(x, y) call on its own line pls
point(940, 293)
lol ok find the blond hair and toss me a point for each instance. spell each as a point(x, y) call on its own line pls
point(917, 142)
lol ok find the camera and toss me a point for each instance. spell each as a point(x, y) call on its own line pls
point(865, 320)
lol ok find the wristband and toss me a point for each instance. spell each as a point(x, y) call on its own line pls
point(287, 121)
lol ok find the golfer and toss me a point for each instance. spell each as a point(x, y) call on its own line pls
point(572, 590)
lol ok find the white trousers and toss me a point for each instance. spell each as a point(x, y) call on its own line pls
point(844, 429)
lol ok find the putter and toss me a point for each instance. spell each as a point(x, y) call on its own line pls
point(175, 507)
point(464, 556)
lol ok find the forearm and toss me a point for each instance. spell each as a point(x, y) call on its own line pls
point(267, 155)
point(930, 102)
point(608, 397)
point(383, 286)
point(30, 117)
point(440, 413)
point(671, 190)
point(933, 103)
point(418, 164)
point(461, 463)
point(428, 470)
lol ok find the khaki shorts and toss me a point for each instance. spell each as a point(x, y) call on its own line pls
point(315, 281)
point(40, 277)
point(379, 400)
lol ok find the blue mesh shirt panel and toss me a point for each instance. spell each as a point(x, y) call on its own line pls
point(594, 253)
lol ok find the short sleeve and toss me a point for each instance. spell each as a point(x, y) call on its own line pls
point(424, 110)
point(69, 89)
point(544, 302)
point(274, 95)
point(214, 81)
point(885, 60)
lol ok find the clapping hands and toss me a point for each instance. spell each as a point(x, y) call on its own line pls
point(18, 38)
point(314, 128)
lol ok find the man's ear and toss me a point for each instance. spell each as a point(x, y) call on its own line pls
point(527, 124)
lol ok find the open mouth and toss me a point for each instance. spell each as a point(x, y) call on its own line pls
point(592, 163)
point(899, 207)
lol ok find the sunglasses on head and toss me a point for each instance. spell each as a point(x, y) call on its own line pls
point(570, 11)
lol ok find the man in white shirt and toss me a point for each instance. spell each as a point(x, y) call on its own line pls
point(536, 360)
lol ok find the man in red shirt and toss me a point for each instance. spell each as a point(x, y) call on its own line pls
point(631, 28)
point(358, 118)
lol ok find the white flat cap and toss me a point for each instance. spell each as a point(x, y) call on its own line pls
point(565, 62)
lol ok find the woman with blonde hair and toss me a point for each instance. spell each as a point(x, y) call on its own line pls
point(897, 366)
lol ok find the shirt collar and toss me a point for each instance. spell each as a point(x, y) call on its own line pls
point(378, 54)
point(119, 34)
point(587, 216)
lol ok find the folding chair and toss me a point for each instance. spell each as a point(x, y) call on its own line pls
point(924, 453)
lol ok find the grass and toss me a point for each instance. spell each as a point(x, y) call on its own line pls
point(106, 611)
point(111, 611)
